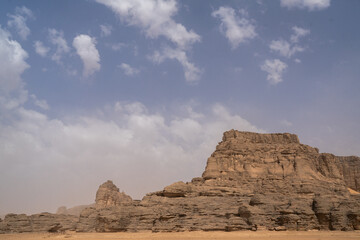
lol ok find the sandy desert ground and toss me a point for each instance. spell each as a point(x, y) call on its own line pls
point(313, 235)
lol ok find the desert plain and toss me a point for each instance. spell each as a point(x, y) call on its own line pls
point(246, 235)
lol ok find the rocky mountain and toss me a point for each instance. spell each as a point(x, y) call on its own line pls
point(251, 182)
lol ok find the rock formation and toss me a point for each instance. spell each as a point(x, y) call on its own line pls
point(74, 210)
point(350, 168)
point(108, 195)
point(43, 222)
point(251, 182)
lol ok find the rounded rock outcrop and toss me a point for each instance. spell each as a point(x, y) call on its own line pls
point(108, 195)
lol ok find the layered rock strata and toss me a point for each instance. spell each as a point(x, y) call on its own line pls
point(350, 168)
point(251, 182)
point(44, 222)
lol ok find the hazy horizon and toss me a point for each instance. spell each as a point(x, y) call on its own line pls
point(140, 92)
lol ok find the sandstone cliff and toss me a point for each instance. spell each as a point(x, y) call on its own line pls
point(350, 168)
point(251, 182)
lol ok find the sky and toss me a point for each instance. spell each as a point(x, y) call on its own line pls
point(140, 91)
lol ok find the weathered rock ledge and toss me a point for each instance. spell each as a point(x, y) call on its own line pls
point(251, 182)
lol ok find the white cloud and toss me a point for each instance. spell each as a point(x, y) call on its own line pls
point(40, 48)
point(24, 11)
point(297, 60)
point(275, 69)
point(191, 72)
point(105, 30)
point(12, 58)
point(40, 103)
point(286, 123)
point(236, 29)
point(128, 70)
point(129, 147)
point(117, 46)
point(86, 49)
point(132, 108)
point(71, 72)
point(288, 49)
point(57, 38)
point(298, 33)
point(309, 4)
point(155, 18)
point(284, 48)
point(18, 21)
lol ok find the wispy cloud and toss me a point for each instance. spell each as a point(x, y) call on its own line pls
point(191, 72)
point(57, 38)
point(289, 48)
point(128, 70)
point(41, 103)
point(105, 30)
point(18, 21)
point(286, 123)
point(117, 46)
point(311, 5)
point(298, 33)
point(40, 48)
point(274, 68)
point(284, 48)
point(236, 27)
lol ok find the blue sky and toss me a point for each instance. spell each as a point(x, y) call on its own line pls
point(140, 92)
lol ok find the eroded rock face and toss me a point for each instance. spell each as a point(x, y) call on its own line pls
point(108, 195)
point(350, 167)
point(43, 222)
point(251, 182)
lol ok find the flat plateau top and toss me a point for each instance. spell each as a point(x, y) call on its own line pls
point(260, 235)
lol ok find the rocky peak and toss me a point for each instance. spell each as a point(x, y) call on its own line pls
point(253, 155)
point(108, 195)
point(269, 138)
point(246, 157)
